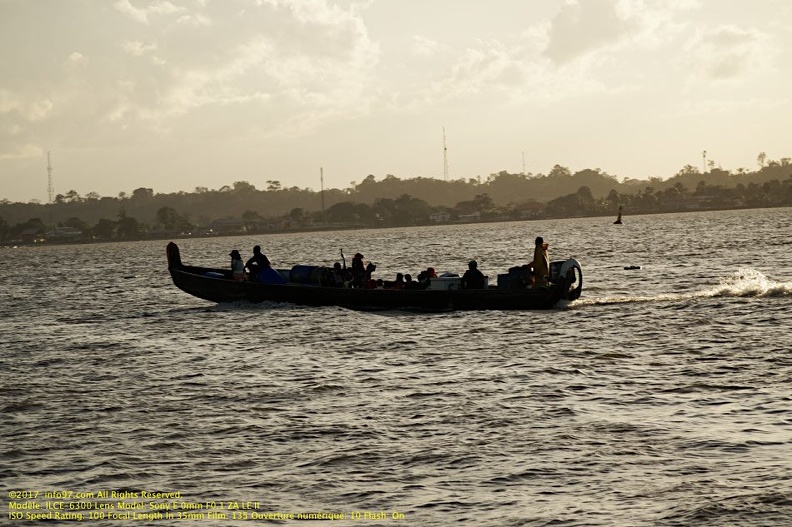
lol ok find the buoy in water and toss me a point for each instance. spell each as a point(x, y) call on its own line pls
point(618, 219)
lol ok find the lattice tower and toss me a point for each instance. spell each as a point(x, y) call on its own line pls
point(445, 157)
point(50, 188)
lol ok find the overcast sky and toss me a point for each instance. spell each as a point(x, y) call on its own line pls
point(176, 94)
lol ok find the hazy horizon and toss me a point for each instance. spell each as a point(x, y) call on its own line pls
point(173, 95)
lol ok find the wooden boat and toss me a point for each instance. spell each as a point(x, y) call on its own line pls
point(308, 285)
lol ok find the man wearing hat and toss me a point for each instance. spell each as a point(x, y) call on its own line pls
point(237, 265)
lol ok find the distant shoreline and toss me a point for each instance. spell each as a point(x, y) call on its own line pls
point(337, 228)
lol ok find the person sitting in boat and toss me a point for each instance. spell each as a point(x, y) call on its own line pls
point(473, 278)
point(370, 282)
point(425, 276)
point(237, 267)
point(521, 276)
point(409, 283)
point(541, 263)
point(257, 263)
point(358, 271)
point(399, 283)
point(341, 277)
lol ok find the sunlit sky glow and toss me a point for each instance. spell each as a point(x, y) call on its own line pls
point(176, 94)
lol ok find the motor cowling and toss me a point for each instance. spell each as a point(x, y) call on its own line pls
point(567, 275)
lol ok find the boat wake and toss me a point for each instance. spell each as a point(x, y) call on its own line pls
point(743, 283)
point(751, 283)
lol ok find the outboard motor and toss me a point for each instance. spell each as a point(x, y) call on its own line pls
point(568, 276)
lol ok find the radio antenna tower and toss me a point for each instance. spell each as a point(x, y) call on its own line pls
point(445, 157)
point(50, 189)
point(321, 184)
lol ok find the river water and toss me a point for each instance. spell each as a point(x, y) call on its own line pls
point(661, 398)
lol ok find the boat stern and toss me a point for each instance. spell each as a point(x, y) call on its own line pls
point(567, 275)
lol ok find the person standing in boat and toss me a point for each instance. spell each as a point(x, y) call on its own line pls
point(257, 263)
point(541, 262)
point(237, 267)
point(473, 278)
point(358, 270)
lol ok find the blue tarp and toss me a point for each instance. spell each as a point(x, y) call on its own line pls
point(268, 275)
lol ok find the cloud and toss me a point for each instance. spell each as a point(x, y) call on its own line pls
point(425, 47)
point(31, 110)
point(279, 65)
point(284, 62)
point(728, 52)
point(137, 48)
point(142, 14)
point(11, 151)
point(588, 28)
point(315, 11)
point(492, 64)
point(587, 25)
point(504, 72)
point(557, 58)
point(124, 6)
point(194, 20)
point(710, 107)
point(76, 58)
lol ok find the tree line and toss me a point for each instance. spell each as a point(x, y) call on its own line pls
point(391, 201)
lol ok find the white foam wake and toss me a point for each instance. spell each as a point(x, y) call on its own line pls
point(751, 283)
point(741, 283)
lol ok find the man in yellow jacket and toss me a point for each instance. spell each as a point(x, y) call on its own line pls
point(541, 262)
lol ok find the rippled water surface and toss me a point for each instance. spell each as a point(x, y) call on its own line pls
point(662, 397)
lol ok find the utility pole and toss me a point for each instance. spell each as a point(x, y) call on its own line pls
point(523, 172)
point(50, 189)
point(445, 157)
point(321, 184)
point(704, 161)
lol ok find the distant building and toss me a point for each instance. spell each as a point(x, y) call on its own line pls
point(30, 235)
point(473, 216)
point(530, 209)
point(60, 234)
point(228, 226)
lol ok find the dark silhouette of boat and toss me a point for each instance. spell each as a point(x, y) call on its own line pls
point(309, 285)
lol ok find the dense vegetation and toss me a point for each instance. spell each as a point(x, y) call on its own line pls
point(242, 208)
